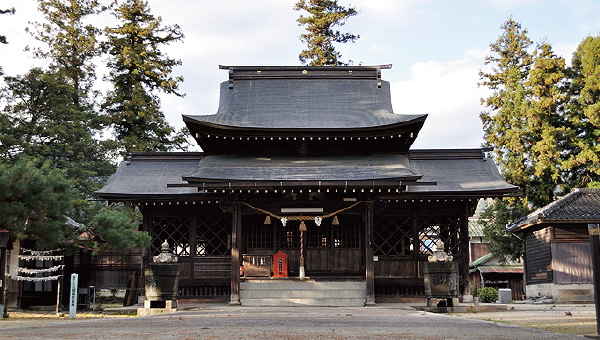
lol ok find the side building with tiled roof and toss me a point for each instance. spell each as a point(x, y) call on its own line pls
point(558, 259)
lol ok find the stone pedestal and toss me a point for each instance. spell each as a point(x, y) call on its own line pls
point(441, 282)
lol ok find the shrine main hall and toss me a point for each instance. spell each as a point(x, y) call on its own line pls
point(306, 192)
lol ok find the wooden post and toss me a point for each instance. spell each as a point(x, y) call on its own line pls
point(4, 284)
point(595, 247)
point(370, 266)
point(235, 253)
point(464, 250)
point(58, 297)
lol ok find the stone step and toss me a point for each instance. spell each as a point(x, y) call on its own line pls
point(301, 285)
point(342, 293)
point(303, 302)
point(303, 294)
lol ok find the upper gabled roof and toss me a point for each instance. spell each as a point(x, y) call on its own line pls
point(303, 101)
point(304, 97)
point(579, 206)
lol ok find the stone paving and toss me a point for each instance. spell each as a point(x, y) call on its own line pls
point(236, 322)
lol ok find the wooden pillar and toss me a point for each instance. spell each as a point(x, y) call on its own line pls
point(464, 250)
point(236, 232)
point(595, 252)
point(370, 266)
point(4, 283)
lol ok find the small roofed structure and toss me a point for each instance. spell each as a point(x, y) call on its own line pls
point(313, 162)
point(558, 259)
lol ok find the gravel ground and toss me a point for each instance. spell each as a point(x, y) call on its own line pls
point(235, 322)
point(558, 318)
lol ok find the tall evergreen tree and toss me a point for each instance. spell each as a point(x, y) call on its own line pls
point(138, 69)
point(583, 160)
point(504, 123)
point(71, 46)
point(320, 36)
point(72, 43)
point(546, 124)
point(41, 121)
point(3, 39)
point(524, 120)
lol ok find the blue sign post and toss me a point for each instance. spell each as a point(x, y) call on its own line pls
point(73, 296)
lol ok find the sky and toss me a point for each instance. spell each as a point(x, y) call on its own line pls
point(437, 49)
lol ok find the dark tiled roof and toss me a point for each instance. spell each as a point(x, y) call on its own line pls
point(351, 168)
point(501, 269)
point(287, 101)
point(147, 175)
point(475, 228)
point(581, 205)
point(454, 172)
point(457, 171)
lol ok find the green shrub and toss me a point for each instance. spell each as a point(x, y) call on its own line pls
point(488, 294)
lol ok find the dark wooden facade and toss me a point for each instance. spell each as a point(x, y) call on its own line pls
point(404, 231)
point(307, 137)
point(559, 253)
point(557, 243)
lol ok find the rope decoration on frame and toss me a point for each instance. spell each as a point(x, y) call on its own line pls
point(317, 218)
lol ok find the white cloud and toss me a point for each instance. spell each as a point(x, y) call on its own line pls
point(448, 93)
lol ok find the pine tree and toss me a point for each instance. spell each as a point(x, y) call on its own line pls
point(41, 121)
point(320, 36)
point(33, 202)
point(138, 69)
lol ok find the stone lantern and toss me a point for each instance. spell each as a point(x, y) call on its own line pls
point(161, 283)
point(441, 276)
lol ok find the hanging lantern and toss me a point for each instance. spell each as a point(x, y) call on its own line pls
point(318, 221)
point(335, 221)
point(284, 221)
point(302, 226)
point(268, 220)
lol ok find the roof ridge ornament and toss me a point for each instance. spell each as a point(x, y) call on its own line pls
point(231, 78)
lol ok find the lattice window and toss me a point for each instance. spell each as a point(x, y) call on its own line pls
point(393, 235)
point(344, 235)
point(434, 228)
point(260, 235)
point(213, 235)
point(175, 230)
point(288, 237)
point(347, 233)
point(317, 236)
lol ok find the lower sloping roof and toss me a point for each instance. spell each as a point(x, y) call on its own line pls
point(350, 168)
point(579, 206)
point(458, 171)
point(148, 174)
point(161, 175)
